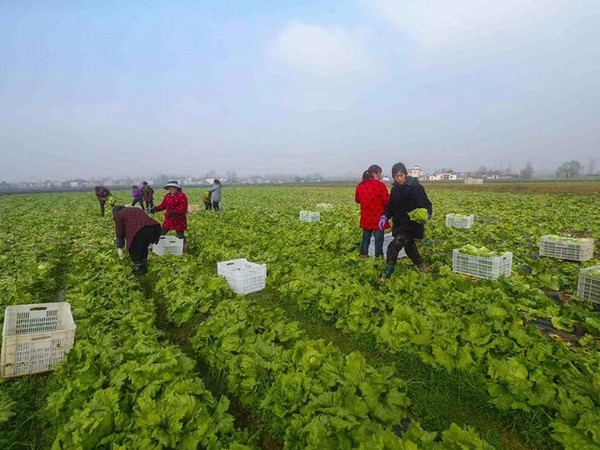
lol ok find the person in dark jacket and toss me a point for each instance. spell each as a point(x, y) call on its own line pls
point(147, 196)
point(373, 196)
point(102, 195)
point(406, 195)
point(134, 226)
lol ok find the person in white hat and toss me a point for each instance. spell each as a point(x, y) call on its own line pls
point(176, 205)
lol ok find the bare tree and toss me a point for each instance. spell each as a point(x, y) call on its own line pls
point(591, 166)
point(527, 171)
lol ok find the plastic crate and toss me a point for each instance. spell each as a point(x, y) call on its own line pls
point(168, 245)
point(324, 207)
point(243, 276)
point(490, 267)
point(387, 238)
point(456, 221)
point(574, 249)
point(308, 216)
point(588, 286)
point(35, 338)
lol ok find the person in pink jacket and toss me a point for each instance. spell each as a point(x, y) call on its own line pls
point(175, 203)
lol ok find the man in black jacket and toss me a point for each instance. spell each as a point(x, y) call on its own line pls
point(407, 195)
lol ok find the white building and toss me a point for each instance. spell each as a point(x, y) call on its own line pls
point(415, 172)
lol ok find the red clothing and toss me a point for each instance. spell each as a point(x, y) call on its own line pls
point(372, 195)
point(129, 221)
point(177, 207)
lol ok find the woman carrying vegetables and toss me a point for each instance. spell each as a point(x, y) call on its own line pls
point(409, 208)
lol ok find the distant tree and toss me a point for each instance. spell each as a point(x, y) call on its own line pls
point(231, 176)
point(527, 171)
point(591, 166)
point(569, 170)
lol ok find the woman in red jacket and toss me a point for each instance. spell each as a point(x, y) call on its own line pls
point(176, 205)
point(372, 195)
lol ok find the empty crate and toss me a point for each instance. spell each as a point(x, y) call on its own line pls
point(35, 338)
point(168, 245)
point(308, 216)
point(588, 286)
point(387, 238)
point(243, 276)
point(490, 267)
point(459, 221)
point(573, 249)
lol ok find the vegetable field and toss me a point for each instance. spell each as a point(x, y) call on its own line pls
point(326, 356)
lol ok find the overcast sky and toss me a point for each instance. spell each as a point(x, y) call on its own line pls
point(141, 88)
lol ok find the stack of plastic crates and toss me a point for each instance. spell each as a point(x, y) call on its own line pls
point(588, 286)
point(168, 245)
point(324, 207)
point(490, 267)
point(573, 249)
point(309, 216)
point(243, 277)
point(35, 338)
point(459, 221)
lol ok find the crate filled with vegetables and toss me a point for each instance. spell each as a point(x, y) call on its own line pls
point(35, 338)
point(309, 216)
point(459, 220)
point(481, 262)
point(324, 206)
point(243, 276)
point(562, 247)
point(588, 285)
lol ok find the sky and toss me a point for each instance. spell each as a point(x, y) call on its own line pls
point(142, 88)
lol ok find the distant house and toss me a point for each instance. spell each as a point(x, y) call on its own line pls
point(471, 180)
point(442, 176)
point(415, 172)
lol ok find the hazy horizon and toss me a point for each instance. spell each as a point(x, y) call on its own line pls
point(94, 89)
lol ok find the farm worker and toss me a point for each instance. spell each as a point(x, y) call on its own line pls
point(407, 195)
point(136, 193)
point(139, 230)
point(215, 194)
point(102, 194)
point(207, 201)
point(176, 205)
point(147, 196)
point(373, 196)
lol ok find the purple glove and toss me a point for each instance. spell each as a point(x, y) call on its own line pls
point(383, 220)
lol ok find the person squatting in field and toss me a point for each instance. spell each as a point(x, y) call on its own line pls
point(175, 202)
point(147, 196)
point(406, 195)
point(215, 194)
point(136, 193)
point(102, 195)
point(134, 226)
point(373, 196)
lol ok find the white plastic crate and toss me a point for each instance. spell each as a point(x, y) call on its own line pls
point(490, 267)
point(569, 248)
point(387, 238)
point(168, 245)
point(588, 286)
point(458, 221)
point(324, 206)
point(308, 216)
point(243, 276)
point(35, 338)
